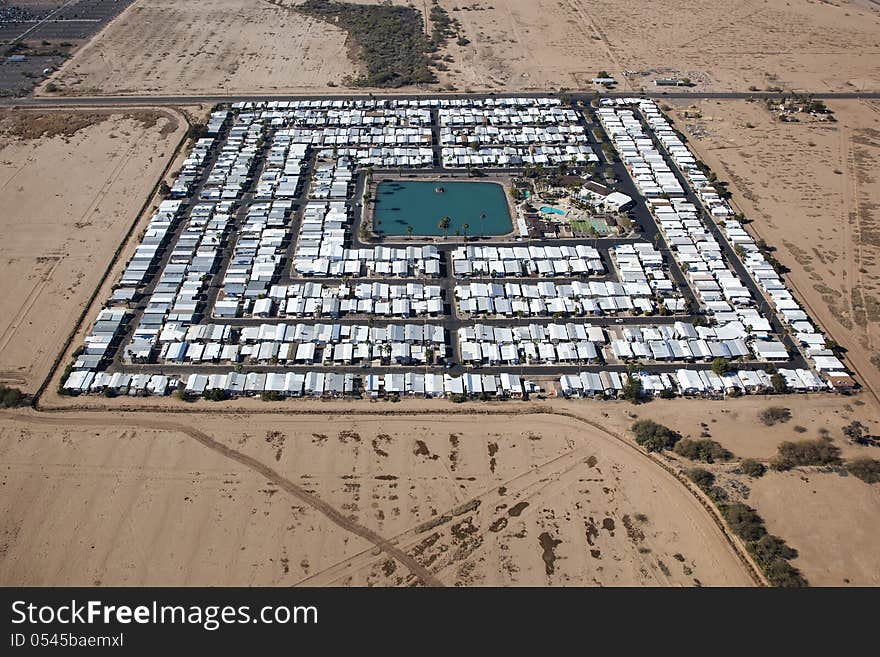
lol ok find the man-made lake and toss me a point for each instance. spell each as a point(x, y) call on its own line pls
point(422, 205)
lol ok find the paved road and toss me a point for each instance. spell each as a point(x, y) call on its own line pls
point(584, 96)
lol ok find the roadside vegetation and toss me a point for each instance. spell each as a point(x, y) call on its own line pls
point(390, 40)
point(10, 397)
point(770, 552)
point(654, 437)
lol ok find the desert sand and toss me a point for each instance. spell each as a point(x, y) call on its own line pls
point(313, 493)
point(824, 515)
point(209, 47)
point(71, 186)
point(831, 519)
point(811, 189)
point(142, 499)
point(164, 47)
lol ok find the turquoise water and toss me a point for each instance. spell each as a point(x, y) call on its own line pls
point(419, 204)
point(547, 210)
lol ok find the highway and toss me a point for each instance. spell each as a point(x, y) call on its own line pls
point(581, 96)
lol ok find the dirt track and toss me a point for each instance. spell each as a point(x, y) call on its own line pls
point(466, 529)
point(297, 491)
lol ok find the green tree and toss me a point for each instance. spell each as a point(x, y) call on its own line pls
point(654, 437)
point(702, 449)
point(778, 383)
point(409, 230)
point(632, 388)
point(702, 478)
point(721, 366)
point(444, 224)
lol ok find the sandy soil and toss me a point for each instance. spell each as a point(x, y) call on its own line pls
point(811, 190)
point(207, 47)
point(254, 46)
point(280, 500)
point(832, 520)
point(802, 44)
point(71, 184)
point(343, 493)
point(828, 519)
point(528, 44)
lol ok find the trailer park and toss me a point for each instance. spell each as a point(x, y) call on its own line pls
point(263, 272)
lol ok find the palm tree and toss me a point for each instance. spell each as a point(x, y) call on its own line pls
point(482, 224)
point(444, 224)
point(409, 230)
point(464, 229)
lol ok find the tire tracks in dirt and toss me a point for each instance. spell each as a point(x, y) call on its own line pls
point(525, 485)
point(329, 511)
point(543, 476)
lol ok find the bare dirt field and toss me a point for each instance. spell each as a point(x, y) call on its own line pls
point(546, 493)
point(831, 519)
point(71, 185)
point(545, 44)
point(812, 190)
point(167, 47)
point(279, 500)
point(207, 47)
point(824, 515)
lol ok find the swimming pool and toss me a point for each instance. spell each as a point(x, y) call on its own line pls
point(549, 210)
point(482, 206)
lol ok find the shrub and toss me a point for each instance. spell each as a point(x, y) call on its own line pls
point(743, 521)
point(752, 468)
point(805, 452)
point(702, 478)
point(774, 415)
point(10, 397)
point(865, 468)
point(183, 395)
point(769, 548)
point(390, 39)
point(783, 574)
point(215, 394)
point(654, 437)
point(717, 495)
point(857, 432)
point(270, 395)
point(705, 450)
